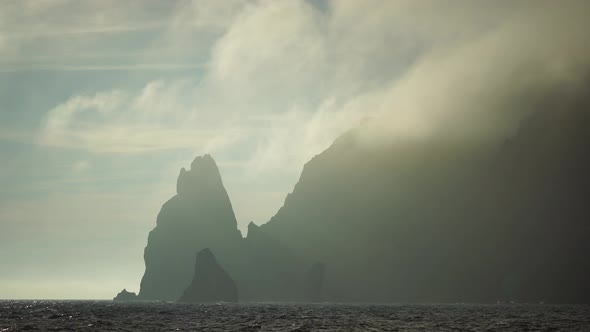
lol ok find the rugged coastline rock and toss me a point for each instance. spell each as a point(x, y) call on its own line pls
point(125, 296)
point(199, 216)
point(416, 221)
point(273, 273)
point(450, 221)
point(211, 283)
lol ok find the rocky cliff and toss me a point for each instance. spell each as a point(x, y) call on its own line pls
point(413, 221)
point(199, 216)
point(125, 296)
point(211, 283)
point(440, 221)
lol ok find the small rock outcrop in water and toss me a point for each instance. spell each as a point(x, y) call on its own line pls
point(315, 282)
point(125, 296)
point(211, 283)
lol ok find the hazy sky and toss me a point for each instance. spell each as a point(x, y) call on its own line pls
point(102, 102)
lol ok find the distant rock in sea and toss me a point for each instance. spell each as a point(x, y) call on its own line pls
point(199, 216)
point(211, 283)
point(125, 296)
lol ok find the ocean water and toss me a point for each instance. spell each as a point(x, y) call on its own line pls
point(110, 316)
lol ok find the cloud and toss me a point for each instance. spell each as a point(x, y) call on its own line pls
point(46, 18)
point(155, 118)
point(104, 68)
point(417, 69)
point(207, 13)
point(70, 35)
point(295, 136)
point(290, 53)
point(478, 85)
point(283, 79)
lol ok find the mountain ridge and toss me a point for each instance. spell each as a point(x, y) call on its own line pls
point(415, 221)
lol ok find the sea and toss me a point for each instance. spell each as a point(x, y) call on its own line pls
point(160, 316)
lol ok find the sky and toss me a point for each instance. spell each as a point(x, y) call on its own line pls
point(102, 102)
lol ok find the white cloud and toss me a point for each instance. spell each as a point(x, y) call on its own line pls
point(156, 118)
point(295, 136)
point(60, 34)
point(207, 13)
point(155, 67)
point(417, 68)
point(254, 61)
point(479, 86)
point(59, 17)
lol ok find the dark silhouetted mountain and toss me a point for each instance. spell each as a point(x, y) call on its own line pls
point(447, 220)
point(211, 283)
point(125, 296)
point(425, 220)
point(199, 216)
point(272, 272)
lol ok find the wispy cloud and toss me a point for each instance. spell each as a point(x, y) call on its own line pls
point(50, 35)
point(318, 73)
point(32, 33)
point(124, 67)
point(116, 122)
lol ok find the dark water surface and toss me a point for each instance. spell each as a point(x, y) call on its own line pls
point(109, 316)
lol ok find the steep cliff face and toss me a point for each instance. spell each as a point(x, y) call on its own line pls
point(199, 216)
point(272, 272)
point(378, 217)
point(446, 221)
point(543, 193)
point(413, 221)
point(211, 283)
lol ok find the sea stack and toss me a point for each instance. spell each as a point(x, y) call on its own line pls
point(211, 283)
point(199, 216)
